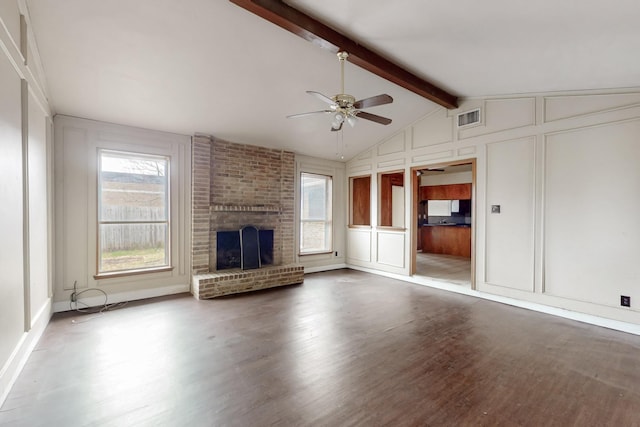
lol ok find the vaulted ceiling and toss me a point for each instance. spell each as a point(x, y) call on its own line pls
point(211, 67)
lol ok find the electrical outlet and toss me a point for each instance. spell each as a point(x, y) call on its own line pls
point(625, 301)
point(73, 297)
point(336, 253)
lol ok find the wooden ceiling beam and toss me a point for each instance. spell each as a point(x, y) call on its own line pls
point(283, 15)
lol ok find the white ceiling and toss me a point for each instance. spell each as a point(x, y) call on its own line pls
point(211, 67)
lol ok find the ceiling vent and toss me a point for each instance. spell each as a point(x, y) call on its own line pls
point(469, 118)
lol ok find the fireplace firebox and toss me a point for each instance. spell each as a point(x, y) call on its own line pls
point(247, 248)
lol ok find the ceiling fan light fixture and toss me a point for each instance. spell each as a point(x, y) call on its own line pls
point(338, 118)
point(352, 121)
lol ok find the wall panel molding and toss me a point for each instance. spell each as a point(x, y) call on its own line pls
point(391, 249)
point(359, 169)
point(365, 156)
point(467, 151)
point(397, 144)
point(425, 158)
point(391, 163)
point(510, 234)
point(501, 115)
point(435, 129)
point(359, 245)
point(572, 106)
point(590, 174)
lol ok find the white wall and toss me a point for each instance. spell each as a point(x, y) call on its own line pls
point(39, 206)
point(591, 202)
point(77, 142)
point(563, 168)
point(510, 185)
point(25, 192)
point(336, 259)
point(447, 178)
point(12, 304)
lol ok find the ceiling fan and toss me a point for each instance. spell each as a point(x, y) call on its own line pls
point(344, 107)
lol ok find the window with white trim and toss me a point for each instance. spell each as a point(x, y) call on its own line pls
point(133, 212)
point(316, 224)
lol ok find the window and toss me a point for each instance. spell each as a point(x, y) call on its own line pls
point(391, 190)
point(133, 212)
point(360, 200)
point(315, 214)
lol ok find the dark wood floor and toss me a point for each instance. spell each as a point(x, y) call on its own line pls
point(345, 348)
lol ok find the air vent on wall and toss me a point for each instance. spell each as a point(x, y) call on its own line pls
point(469, 118)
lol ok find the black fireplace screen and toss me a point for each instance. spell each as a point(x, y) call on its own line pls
point(234, 252)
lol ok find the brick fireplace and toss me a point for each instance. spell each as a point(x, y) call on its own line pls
point(234, 185)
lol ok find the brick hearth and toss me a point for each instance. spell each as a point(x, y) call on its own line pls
point(235, 281)
point(236, 185)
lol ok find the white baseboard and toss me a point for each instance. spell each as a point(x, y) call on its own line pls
point(617, 325)
point(98, 298)
point(22, 351)
point(324, 268)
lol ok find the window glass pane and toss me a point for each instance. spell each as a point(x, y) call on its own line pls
point(314, 202)
point(132, 246)
point(313, 236)
point(133, 188)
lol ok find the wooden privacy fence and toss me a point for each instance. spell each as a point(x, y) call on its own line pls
point(122, 237)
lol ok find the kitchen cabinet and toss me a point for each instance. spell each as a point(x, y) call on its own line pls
point(446, 239)
point(446, 192)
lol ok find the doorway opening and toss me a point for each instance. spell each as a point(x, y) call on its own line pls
point(443, 222)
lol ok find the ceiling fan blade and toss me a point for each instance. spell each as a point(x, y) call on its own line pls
point(373, 101)
point(338, 128)
point(373, 118)
point(321, 97)
point(295, 116)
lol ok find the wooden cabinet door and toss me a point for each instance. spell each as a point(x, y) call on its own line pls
point(446, 192)
point(459, 191)
point(427, 241)
point(424, 193)
point(460, 242)
point(449, 240)
point(435, 192)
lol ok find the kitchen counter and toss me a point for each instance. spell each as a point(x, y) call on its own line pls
point(448, 224)
point(450, 239)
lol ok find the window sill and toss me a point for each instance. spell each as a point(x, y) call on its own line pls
point(315, 253)
point(390, 228)
point(365, 227)
point(115, 274)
